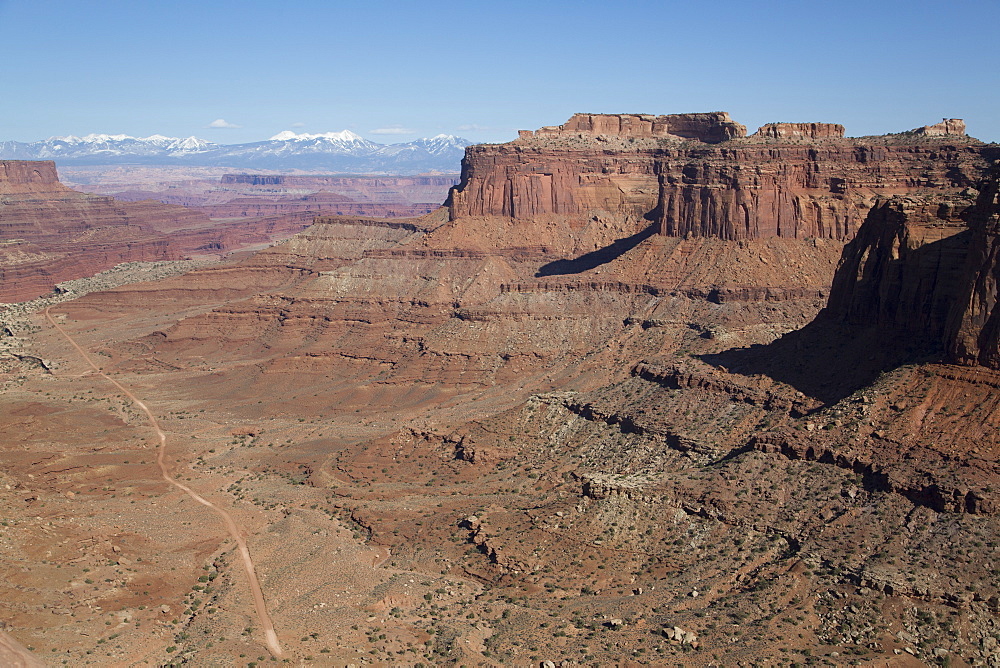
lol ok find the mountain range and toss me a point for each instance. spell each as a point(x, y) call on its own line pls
point(342, 151)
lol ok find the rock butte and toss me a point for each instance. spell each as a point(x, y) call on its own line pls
point(592, 410)
point(700, 175)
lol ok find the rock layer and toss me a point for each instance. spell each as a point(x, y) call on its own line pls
point(49, 233)
point(223, 195)
point(902, 271)
point(400, 376)
point(926, 269)
point(712, 127)
point(793, 180)
point(801, 131)
point(975, 321)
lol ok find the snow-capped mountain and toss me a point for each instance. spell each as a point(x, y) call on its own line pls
point(342, 151)
point(106, 147)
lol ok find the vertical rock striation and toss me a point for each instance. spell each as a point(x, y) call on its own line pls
point(698, 175)
point(926, 269)
point(975, 320)
point(901, 272)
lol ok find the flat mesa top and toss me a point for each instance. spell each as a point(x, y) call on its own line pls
point(709, 127)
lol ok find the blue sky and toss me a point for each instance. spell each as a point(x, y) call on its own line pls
point(394, 71)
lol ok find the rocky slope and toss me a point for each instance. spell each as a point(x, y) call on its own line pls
point(50, 233)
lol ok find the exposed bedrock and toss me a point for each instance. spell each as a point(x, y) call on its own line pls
point(903, 270)
point(28, 173)
point(711, 127)
point(792, 180)
point(925, 269)
point(801, 131)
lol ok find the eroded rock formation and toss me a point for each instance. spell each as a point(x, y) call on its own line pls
point(712, 127)
point(947, 126)
point(534, 404)
point(904, 268)
point(694, 175)
point(800, 131)
point(926, 268)
point(975, 320)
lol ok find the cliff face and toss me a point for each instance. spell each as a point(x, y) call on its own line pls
point(927, 269)
point(36, 206)
point(903, 269)
point(947, 127)
point(695, 175)
point(438, 329)
point(19, 174)
point(975, 320)
point(711, 127)
point(801, 131)
point(524, 180)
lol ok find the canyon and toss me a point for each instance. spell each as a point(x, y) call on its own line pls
point(646, 390)
point(221, 194)
point(329, 152)
point(50, 233)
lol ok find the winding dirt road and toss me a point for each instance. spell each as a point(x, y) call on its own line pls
point(260, 605)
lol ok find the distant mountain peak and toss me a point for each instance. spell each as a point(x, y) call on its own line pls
point(344, 152)
point(343, 135)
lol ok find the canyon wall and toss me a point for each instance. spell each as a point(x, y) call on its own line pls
point(322, 203)
point(50, 233)
point(800, 131)
point(974, 326)
point(223, 195)
point(711, 127)
point(27, 175)
point(903, 269)
point(695, 175)
point(926, 268)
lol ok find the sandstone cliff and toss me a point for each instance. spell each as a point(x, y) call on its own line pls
point(975, 320)
point(712, 127)
point(925, 269)
point(545, 378)
point(801, 131)
point(692, 178)
point(902, 271)
point(947, 126)
point(27, 175)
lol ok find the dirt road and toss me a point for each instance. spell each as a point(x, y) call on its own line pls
point(271, 638)
point(15, 655)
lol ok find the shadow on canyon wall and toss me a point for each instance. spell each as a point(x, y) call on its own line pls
point(827, 359)
point(884, 312)
point(598, 257)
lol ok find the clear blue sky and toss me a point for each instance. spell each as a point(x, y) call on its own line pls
point(394, 71)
